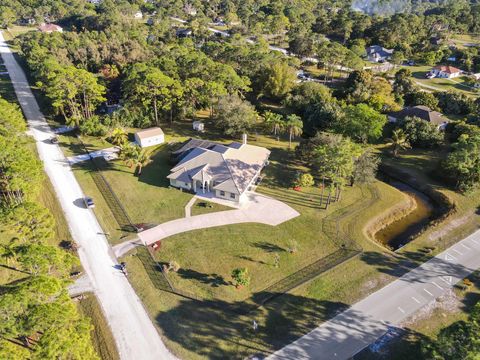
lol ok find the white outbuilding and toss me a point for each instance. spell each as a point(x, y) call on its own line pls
point(198, 126)
point(149, 137)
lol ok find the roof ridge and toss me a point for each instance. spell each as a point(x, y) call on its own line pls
point(231, 174)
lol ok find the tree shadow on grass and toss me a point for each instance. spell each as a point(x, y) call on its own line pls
point(214, 280)
point(248, 258)
point(212, 329)
point(268, 247)
point(404, 344)
point(402, 266)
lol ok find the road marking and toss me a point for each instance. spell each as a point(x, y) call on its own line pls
point(449, 257)
point(403, 311)
point(475, 241)
point(434, 283)
point(458, 252)
point(428, 292)
point(465, 246)
point(416, 300)
point(446, 279)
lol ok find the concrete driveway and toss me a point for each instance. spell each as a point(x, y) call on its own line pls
point(258, 209)
point(108, 153)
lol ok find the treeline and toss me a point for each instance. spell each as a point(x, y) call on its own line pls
point(38, 320)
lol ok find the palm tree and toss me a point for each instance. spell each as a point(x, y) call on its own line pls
point(274, 121)
point(9, 251)
point(140, 159)
point(118, 136)
point(398, 141)
point(294, 126)
point(128, 152)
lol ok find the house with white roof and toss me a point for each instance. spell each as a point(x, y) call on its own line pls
point(226, 171)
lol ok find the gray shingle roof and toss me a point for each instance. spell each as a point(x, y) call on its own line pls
point(232, 168)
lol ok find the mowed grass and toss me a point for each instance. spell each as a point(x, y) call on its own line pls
point(205, 207)
point(207, 257)
point(103, 341)
point(438, 84)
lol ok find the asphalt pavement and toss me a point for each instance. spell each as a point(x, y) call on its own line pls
point(362, 324)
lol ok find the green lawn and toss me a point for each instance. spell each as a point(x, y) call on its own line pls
point(204, 207)
point(465, 40)
point(6, 88)
point(103, 341)
point(438, 84)
point(212, 327)
point(227, 333)
point(16, 30)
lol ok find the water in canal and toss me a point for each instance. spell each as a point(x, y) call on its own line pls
point(403, 230)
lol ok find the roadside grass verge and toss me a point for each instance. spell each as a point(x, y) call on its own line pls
point(103, 341)
point(426, 327)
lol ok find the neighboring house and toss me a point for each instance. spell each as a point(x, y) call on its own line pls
point(27, 21)
point(227, 171)
point(49, 28)
point(198, 126)
point(376, 53)
point(422, 112)
point(149, 137)
point(183, 33)
point(446, 71)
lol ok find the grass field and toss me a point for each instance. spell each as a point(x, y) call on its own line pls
point(213, 328)
point(437, 84)
point(204, 207)
point(465, 40)
point(101, 334)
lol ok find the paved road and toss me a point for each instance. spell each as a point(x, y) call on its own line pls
point(134, 332)
point(259, 209)
point(362, 324)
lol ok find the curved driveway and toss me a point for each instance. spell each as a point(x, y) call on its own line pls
point(258, 209)
point(132, 329)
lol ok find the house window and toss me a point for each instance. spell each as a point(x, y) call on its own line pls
point(186, 184)
point(222, 193)
point(232, 196)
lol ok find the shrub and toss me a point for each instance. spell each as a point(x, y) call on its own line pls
point(241, 277)
point(304, 180)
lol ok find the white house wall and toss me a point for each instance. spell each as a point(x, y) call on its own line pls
point(151, 141)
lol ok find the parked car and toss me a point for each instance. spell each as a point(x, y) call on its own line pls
point(429, 75)
point(54, 140)
point(89, 204)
